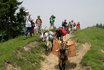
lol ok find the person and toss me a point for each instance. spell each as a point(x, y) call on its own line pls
point(78, 25)
point(28, 26)
point(52, 20)
point(36, 28)
point(33, 25)
point(69, 26)
point(72, 24)
point(58, 33)
point(39, 23)
point(64, 24)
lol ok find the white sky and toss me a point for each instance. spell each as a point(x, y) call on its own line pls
point(88, 12)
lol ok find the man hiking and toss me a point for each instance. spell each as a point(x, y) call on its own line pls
point(52, 20)
point(78, 26)
point(28, 26)
point(64, 24)
point(72, 24)
point(39, 23)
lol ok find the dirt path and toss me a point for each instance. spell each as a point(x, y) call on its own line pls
point(80, 53)
point(51, 61)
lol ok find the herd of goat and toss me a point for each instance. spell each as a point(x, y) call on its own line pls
point(48, 37)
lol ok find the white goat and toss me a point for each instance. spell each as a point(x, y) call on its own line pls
point(48, 37)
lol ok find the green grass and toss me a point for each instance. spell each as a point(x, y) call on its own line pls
point(53, 30)
point(94, 56)
point(29, 60)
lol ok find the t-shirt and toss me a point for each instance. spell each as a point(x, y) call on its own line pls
point(28, 23)
point(52, 20)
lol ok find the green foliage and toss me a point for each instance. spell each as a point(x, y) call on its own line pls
point(100, 25)
point(11, 23)
point(94, 56)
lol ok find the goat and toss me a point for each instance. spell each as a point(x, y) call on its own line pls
point(63, 58)
point(47, 36)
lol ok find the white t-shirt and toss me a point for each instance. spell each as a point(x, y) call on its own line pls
point(28, 23)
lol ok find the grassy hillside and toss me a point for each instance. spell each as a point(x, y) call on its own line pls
point(94, 57)
point(28, 60)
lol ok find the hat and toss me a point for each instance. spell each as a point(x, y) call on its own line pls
point(27, 11)
point(71, 20)
point(78, 22)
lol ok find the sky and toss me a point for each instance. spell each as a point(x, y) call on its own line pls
point(87, 12)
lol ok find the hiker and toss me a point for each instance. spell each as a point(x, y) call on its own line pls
point(28, 26)
point(67, 29)
point(74, 27)
point(52, 20)
point(64, 24)
point(58, 33)
point(33, 25)
point(39, 23)
point(78, 25)
point(36, 28)
point(69, 26)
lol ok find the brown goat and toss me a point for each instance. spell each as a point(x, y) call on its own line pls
point(63, 58)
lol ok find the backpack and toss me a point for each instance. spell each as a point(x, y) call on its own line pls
point(63, 32)
point(39, 21)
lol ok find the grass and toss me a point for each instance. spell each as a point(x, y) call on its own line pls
point(94, 56)
point(53, 30)
point(29, 60)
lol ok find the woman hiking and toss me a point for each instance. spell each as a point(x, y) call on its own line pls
point(52, 20)
point(39, 23)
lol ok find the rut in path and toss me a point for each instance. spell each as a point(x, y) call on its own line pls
point(51, 61)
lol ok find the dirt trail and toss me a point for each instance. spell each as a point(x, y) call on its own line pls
point(51, 61)
point(28, 46)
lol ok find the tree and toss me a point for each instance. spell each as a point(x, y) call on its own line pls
point(11, 23)
point(101, 26)
point(97, 25)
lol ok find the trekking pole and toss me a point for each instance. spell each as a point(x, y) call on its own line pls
point(45, 27)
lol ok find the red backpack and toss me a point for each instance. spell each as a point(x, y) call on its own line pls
point(63, 32)
point(66, 28)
